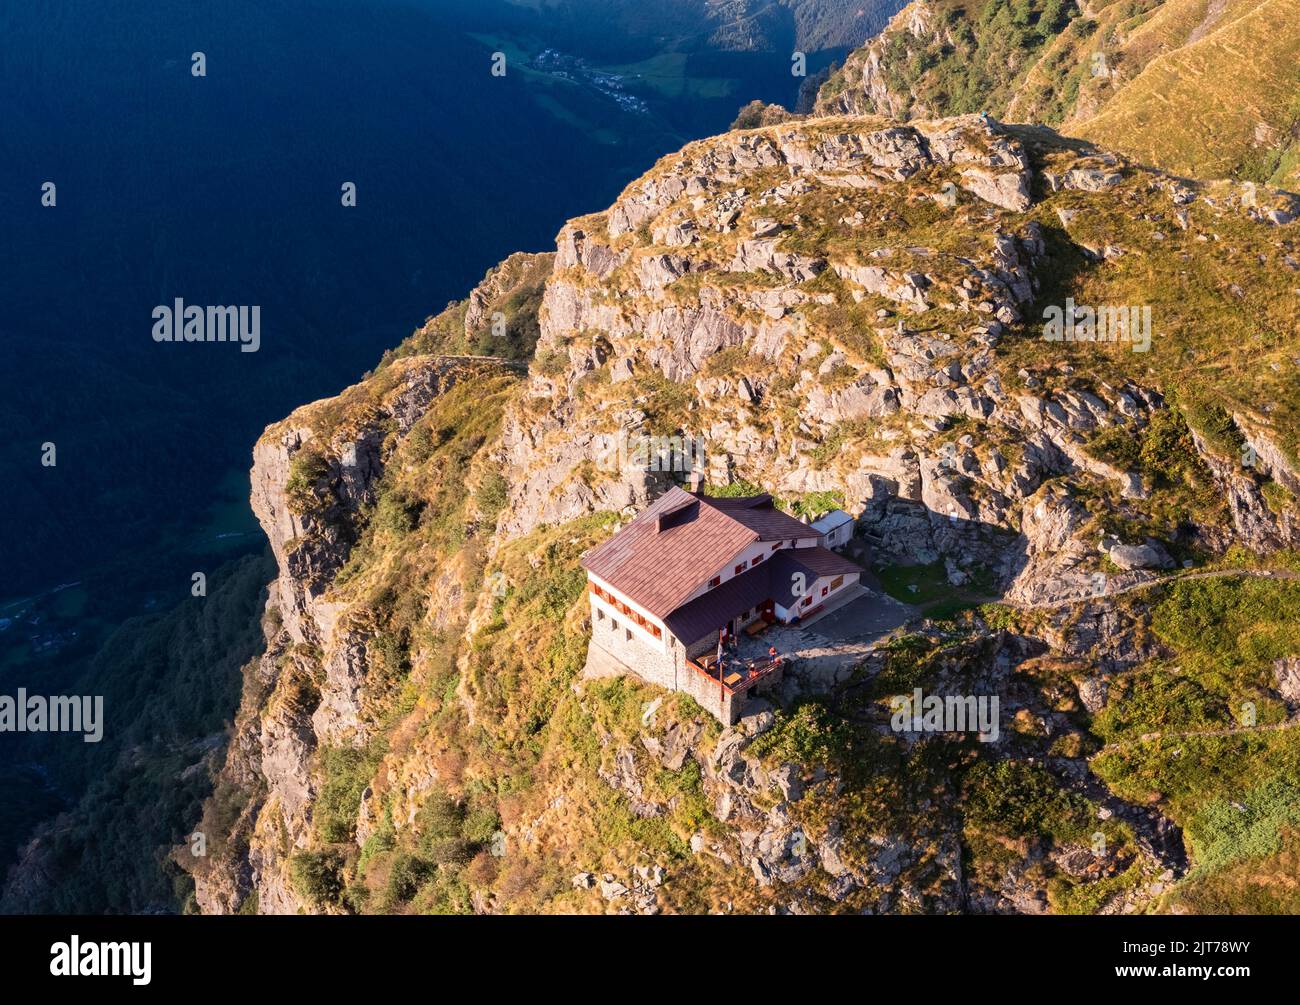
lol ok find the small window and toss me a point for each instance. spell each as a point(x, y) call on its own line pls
point(825, 590)
point(741, 568)
point(837, 582)
point(613, 624)
point(600, 615)
point(628, 633)
point(806, 601)
point(777, 545)
point(757, 559)
point(715, 581)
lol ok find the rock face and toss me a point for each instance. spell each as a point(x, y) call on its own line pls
point(838, 308)
point(618, 310)
point(314, 480)
point(863, 86)
point(1287, 672)
point(308, 493)
point(760, 801)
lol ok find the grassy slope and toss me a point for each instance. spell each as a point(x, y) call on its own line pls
point(1177, 736)
point(1225, 105)
point(1198, 88)
point(976, 54)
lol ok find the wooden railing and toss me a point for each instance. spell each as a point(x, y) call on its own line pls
point(751, 672)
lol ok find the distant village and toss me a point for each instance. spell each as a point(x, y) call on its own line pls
point(574, 68)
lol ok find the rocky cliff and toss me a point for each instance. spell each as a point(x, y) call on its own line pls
point(845, 311)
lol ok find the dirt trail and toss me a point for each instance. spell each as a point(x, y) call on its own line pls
point(1151, 584)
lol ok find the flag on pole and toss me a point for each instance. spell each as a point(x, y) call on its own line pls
point(721, 634)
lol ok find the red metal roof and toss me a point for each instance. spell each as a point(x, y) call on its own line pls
point(773, 580)
point(813, 563)
point(674, 545)
point(706, 614)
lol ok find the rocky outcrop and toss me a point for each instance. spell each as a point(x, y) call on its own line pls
point(315, 482)
point(861, 87)
point(703, 192)
point(741, 282)
point(763, 307)
point(802, 863)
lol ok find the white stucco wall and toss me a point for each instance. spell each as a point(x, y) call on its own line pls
point(815, 595)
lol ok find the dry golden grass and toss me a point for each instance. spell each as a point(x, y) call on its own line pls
point(1207, 108)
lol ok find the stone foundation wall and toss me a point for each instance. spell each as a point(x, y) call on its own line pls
point(706, 692)
point(651, 666)
point(671, 672)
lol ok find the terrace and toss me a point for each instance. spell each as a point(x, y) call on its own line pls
point(739, 672)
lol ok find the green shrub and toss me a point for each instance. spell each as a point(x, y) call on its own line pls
point(316, 877)
point(1118, 446)
point(407, 875)
point(440, 823)
point(1022, 799)
point(1226, 830)
point(345, 773)
point(396, 513)
point(492, 496)
point(810, 735)
point(1214, 423)
point(307, 470)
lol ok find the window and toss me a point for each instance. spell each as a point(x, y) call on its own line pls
point(613, 624)
point(741, 568)
point(715, 581)
point(627, 632)
point(837, 582)
point(825, 590)
point(806, 601)
point(757, 559)
point(600, 615)
point(777, 545)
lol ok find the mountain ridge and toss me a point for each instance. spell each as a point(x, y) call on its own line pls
point(844, 309)
point(1165, 81)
